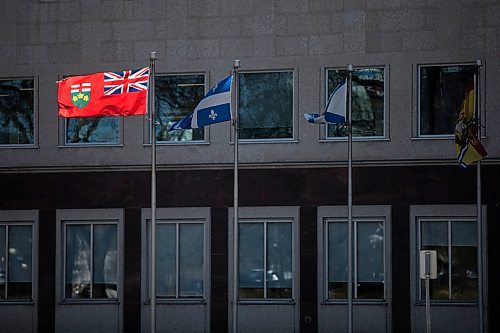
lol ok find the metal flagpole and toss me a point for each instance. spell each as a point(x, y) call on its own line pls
point(349, 202)
point(236, 66)
point(477, 84)
point(152, 120)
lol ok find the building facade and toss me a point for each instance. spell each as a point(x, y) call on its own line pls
point(75, 199)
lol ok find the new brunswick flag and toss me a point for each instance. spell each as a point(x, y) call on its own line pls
point(104, 94)
point(468, 147)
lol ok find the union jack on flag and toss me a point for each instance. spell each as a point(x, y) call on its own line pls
point(133, 80)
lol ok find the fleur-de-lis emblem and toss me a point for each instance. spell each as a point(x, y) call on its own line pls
point(215, 87)
point(212, 115)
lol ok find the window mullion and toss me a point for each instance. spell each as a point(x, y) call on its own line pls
point(7, 257)
point(355, 258)
point(326, 274)
point(91, 260)
point(449, 260)
point(177, 256)
point(264, 273)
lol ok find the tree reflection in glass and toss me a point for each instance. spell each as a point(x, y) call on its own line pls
point(17, 112)
point(176, 96)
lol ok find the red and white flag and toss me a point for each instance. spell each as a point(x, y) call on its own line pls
point(104, 94)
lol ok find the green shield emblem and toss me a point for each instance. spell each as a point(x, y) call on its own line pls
point(80, 95)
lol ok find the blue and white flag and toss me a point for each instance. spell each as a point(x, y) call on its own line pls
point(215, 107)
point(335, 108)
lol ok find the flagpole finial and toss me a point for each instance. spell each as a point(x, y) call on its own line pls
point(236, 63)
point(350, 68)
point(479, 62)
point(153, 55)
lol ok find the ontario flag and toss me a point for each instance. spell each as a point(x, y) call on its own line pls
point(104, 94)
point(467, 144)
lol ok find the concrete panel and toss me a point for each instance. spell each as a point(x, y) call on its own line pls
point(445, 319)
point(366, 318)
point(266, 318)
point(17, 318)
point(85, 318)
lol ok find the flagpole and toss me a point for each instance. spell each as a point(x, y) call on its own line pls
point(478, 201)
point(236, 66)
point(349, 203)
point(152, 120)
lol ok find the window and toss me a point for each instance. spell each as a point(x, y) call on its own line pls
point(176, 97)
point(368, 256)
point(367, 102)
point(16, 264)
point(455, 241)
point(441, 93)
point(180, 259)
point(17, 105)
point(266, 105)
point(265, 259)
point(94, 130)
point(91, 263)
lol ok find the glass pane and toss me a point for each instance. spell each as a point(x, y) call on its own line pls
point(279, 260)
point(105, 269)
point(191, 260)
point(337, 260)
point(435, 237)
point(176, 97)
point(3, 261)
point(93, 130)
point(251, 260)
point(20, 262)
point(442, 90)
point(78, 261)
point(367, 102)
point(17, 112)
point(464, 278)
point(266, 105)
point(166, 253)
point(370, 258)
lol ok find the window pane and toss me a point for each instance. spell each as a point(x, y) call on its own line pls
point(20, 265)
point(435, 237)
point(279, 260)
point(464, 283)
point(191, 260)
point(93, 130)
point(166, 253)
point(251, 260)
point(367, 102)
point(105, 269)
point(176, 97)
point(370, 258)
point(337, 260)
point(266, 105)
point(78, 261)
point(3, 262)
point(442, 90)
point(16, 112)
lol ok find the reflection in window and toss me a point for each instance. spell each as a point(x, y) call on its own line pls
point(176, 97)
point(266, 105)
point(16, 279)
point(265, 260)
point(368, 266)
point(455, 242)
point(91, 261)
point(17, 106)
point(367, 102)
point(94, 130)
point(179, 259)
point(441, 93)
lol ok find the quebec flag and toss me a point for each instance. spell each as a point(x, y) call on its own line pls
point(215, 107)
point(335, 108)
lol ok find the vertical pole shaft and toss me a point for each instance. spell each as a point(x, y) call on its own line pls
point(236, 67)
point(349, 203)
point(152, 120)
point(477, 84)
point(427, 305)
